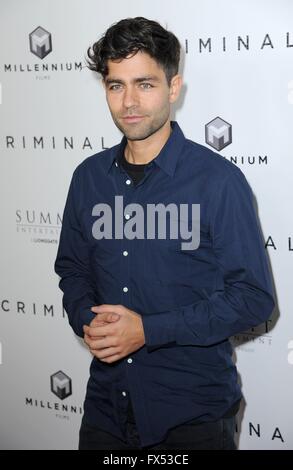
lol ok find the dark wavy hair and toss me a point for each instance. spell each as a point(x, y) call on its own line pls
point(131, 35)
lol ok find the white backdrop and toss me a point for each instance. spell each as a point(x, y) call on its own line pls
point(237, 64)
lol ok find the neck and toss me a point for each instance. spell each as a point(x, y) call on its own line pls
point(143, 151)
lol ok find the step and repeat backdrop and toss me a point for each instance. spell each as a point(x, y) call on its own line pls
point(237, 64)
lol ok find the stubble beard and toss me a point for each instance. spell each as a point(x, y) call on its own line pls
point(142, 130)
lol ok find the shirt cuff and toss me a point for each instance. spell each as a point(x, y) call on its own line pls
point(159, 328)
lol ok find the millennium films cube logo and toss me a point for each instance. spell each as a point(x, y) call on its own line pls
point(40, 42)
point(61, 385)
point(218, 133)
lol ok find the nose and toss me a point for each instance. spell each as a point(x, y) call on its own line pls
point(130, 97)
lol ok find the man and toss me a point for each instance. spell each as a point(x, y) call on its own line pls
point(155, 311)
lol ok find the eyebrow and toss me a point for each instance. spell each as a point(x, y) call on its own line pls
point(149, 78)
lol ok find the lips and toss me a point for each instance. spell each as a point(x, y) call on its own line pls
point(132, 118)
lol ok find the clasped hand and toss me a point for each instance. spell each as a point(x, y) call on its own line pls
point(114, 333)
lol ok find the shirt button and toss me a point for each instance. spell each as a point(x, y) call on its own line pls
point(124, 394)
point(116, 164)
point(125, 253)
point(128, 182)
point(127, 216)
point(125, 289)
point(129, 360)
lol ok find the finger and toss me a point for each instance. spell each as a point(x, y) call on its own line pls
point(92, 332)
point(86, 339)
point(102, 343)
point(106, 352)
point(111, 359)
point(105, 308)
point(98, 331)
point(95, 338)
point(108, 329)
point(96, 322)
point(106, 317)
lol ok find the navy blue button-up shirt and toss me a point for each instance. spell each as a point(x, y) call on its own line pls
point(191, 301)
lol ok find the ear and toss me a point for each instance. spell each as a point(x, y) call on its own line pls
point(175, 87)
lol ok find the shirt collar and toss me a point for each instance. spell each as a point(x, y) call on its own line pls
point(167, 158)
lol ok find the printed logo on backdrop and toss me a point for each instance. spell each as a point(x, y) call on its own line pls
point(239, 44)
point(38, 226)
point(51, 142)
point(40, 42)
point(61, 386)
point(38, 310)
point(256, 431)
point(273, 243)
point(40, 45)
point(251, 340)
point(218, 135)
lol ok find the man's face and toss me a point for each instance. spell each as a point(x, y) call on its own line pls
point(138, 95)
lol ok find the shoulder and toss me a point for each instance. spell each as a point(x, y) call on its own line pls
point(214, 165)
